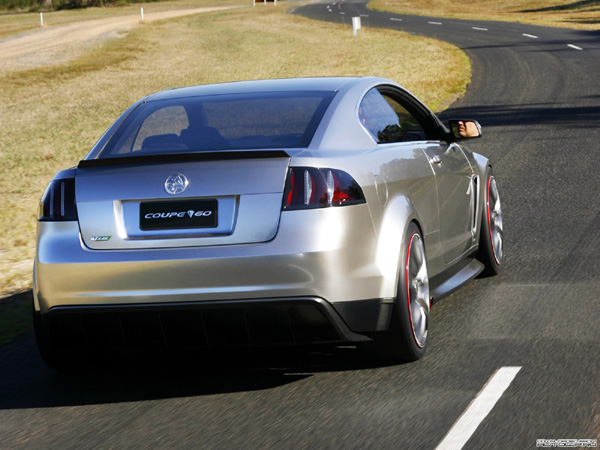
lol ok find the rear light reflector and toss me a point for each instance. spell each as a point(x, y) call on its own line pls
point(309, 187)
point(58, 202)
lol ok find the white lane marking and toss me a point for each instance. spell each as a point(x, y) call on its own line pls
point(479, 408)
point(342, 13)
point(480, 29)
point(396, 20)
point(574, 46)
point(530, 36)
point(363, 15)
point(434, 23)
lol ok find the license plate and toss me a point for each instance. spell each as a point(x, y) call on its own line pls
point(178, 214)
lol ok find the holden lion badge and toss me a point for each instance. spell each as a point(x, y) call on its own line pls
point(176, 184)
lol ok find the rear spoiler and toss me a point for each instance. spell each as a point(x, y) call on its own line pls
point(181, 157)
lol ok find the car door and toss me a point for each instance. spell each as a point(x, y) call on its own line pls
point(454, 176)
point(456, 195)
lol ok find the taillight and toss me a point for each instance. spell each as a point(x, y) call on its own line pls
point(309, 187)
point(58, 202)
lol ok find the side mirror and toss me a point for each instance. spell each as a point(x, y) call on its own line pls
point(464, 129)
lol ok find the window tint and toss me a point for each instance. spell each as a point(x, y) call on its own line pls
point(165, 121)
point(387, 120)
point(220, 122)
point(259, 122)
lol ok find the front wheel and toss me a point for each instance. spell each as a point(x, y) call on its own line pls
point(407, 336)
point(491, 235)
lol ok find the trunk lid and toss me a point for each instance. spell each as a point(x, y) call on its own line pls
point(202, 199)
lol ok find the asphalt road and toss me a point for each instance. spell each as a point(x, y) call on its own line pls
point(538, 99)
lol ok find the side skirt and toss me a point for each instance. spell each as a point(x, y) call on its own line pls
point(451, 279)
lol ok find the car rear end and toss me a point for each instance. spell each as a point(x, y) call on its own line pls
point(160, 243)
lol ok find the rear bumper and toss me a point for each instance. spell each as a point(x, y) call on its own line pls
point(204, 325)
point(323, 257)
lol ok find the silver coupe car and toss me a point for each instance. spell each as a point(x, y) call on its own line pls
point(263, 213)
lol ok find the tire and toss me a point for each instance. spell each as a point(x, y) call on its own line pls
point(407, 336)
point(491, 235)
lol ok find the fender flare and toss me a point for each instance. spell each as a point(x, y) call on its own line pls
point(482, 166)
point(399, 213)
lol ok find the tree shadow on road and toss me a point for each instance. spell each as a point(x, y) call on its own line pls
point(26, 382)
point(571, 117)
point(15, 315)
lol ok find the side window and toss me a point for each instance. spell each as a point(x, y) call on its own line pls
point(387, 120)
point(411, 128)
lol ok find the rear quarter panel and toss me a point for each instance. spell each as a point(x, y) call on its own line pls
point(399, 187)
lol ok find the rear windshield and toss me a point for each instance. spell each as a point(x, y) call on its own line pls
point(220, 122)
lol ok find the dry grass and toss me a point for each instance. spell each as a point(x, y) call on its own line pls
point(581, 14)
point(52, 116)
point(12, 23)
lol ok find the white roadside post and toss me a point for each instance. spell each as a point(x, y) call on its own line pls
point(264, 2)
point(142, 13)
point(41, 19)
point(355, 24)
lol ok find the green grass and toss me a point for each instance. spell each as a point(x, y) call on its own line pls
point(555, 13)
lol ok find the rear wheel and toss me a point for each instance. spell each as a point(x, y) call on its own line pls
point(491, 236)
point(407, 336)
